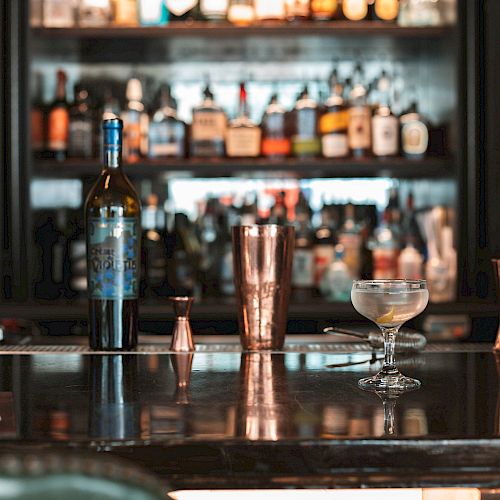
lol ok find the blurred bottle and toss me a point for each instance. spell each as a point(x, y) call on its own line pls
point(385, 250)
point(303, 257)
point(305, 139)
point(135, 123)
point(410, 263)
point(249, 215)
point(94, 13)
point(275, 140)
point(81, 126)
point(385, 126)
point(58, 121)
point(183, 10)
point(334, 122)
point(152, 12)
point(38, 117)
point(243, 137)
point(297, 10)
point(359, 128)
point(324, 243)
point(125, 12)
point(241, 12)
point(324, 10)
point(154, 251)
point(167, 133)
point(214, 10)
point(208, 130)
point(355, 10)
point(76, 258)
point(270, 10)
point(386, 10)
point(336, 282)
point(58, 14)
point(350, 239)
point(36, 13)
point(414, 134)
point(279, 211)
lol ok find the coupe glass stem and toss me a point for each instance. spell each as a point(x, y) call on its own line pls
point(389, 367)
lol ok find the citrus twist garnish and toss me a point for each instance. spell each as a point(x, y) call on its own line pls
point(386, 318)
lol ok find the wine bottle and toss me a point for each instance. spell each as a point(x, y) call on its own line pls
point(113, 226)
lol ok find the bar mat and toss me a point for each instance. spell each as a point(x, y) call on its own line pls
point(333, 347)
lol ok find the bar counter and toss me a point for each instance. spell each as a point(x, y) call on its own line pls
point(222, 418)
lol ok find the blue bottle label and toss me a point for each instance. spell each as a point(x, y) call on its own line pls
point(113, 258)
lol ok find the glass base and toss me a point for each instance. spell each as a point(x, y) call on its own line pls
point(389, 382)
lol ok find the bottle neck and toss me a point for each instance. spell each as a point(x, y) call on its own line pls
point(112, 149)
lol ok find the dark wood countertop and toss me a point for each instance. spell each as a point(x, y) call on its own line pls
point(221, 418)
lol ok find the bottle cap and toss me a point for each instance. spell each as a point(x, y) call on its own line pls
point(134, 90)
point(112, 123)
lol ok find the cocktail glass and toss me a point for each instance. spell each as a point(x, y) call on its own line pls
point(389, 304)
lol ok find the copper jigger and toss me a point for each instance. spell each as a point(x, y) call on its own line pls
point(182, 336)
point(496, 274)
point(262, 261)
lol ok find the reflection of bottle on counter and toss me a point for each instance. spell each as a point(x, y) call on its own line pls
point(415, 422)
point(335, 422)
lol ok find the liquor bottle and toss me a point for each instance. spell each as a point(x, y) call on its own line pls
point(410, 263)
point(58, 14)
point(186, 255)
point(152, 12)
point(323, 247)
point(81, 134)
point(386, 10)
point(243, 136)
point(414, 134)
point(275, 141)
point(385, 126)
point(336, 282)
point(305, 140)
point(334, 122)
point(208, 130)
point(36, 13)
point(113, 232)
point(355, 10)
point(135, 122)
point(153, 242)
point(297, 10)
point(270, 10)
point(94, 13)
point(324, 10)
point(58, 120)
point(279, 211)
point(126, 12)
point(249, 212)
point(303, 256)
point(385, 249)
point(350, 239)
point(167, 133)
point(214, 10)
point(241, 12)
point(182, 10)
point(358, 131)
point(38, 117)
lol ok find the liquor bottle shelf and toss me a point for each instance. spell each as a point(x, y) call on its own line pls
point(208, 29)
point(225, 309)
point(397, 167)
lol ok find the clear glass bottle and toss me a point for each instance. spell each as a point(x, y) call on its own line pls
point(152, 12)
point(275, 140)
point(270, 10)
point(385, 126)
point(208, 130)
point(241, 12)
point(305, 139)
point(336, 282)
point(359, 127)
point(243, 137)
point(167, 133)
point(94, 13)
point(214, 10)
point(81, 126)
point(350, 238)
point(334, 122)
point(324, 243)
point(385, 250)
point(58, 14)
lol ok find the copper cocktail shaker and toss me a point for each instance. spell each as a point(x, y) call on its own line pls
point(262, 260)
